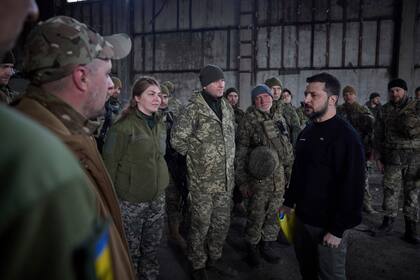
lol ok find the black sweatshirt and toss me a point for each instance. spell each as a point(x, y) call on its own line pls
point(328, 176)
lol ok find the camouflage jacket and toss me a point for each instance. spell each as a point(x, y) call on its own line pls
point(374, 110)
point(174, 105)
point(8, 95)
point(362, 120)
point(303, 119)
point(397, 127)
point(208, 143)
point(292, 119)
point(251, 134)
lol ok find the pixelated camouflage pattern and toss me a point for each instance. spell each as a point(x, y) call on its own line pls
point(266, 193)
point(292, 119)
point(7, 95)
point(303, 119)
point(175, 106)
point(210, 219)
point(362, 120)
point(143, 224)
point(56, 45)
point(209, 145)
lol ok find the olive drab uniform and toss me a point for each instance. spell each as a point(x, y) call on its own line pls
point(397, 139)
point(291, 118)
point(209, 145)
point(362, 120)
point(269, 130)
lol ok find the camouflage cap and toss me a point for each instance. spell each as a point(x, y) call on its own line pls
point(164, 89)
point(170, 86)
point(273, 81)
point(54, 47)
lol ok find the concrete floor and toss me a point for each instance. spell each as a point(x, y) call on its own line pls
point(369, 257)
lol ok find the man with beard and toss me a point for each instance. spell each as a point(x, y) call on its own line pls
point(397, 139)
point(326, 187)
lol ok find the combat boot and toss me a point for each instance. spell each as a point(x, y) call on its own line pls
point(268, 252)
point(386, 226)
point(176, 237)
point(220, 267)
point(200, 274)
point(253, 257)
point(367, 208)
point(410, 235)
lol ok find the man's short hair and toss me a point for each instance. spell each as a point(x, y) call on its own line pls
point(417, 89)
point(332, 85)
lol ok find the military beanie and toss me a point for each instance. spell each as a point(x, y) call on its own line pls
point(170, 86)
point(56, 46)
point(8, 58)
point(273, 81)
point(229, 90)
point(373, 95)
point(397, 83)
point(349, 89)
point(210, 73)
point(117, 82)
point(260, 89)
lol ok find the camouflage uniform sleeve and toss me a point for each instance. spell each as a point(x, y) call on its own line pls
point(114, 148)
point(292, 120)
point(379, 134)
point(182, 130)
point(241, 157)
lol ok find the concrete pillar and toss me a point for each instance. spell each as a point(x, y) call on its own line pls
point(405, 68)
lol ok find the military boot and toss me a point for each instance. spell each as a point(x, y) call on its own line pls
point(253, 257)
point(200, 274)
point(176, 237)
point(268, 252)
point(220, 267)
point(410, 235)
point(386, 226)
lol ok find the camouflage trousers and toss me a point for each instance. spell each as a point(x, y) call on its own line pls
point(405, 176)
point(143, 224)
point(210, 220)
point(173, 203)
point(367, 196)
point(262, 208)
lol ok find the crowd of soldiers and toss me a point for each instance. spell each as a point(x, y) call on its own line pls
point(201, 160)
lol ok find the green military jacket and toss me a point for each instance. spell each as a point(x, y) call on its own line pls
point(251, 135)
point(47, 209)
point(134, 155)
point(398, 128)
point(292, 119)
point(362, 120)
point(8, 95)
point(303, 119)
point(209, 145)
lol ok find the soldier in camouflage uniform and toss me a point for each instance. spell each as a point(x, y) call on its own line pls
point(176, 192)
point(205, 133)
point(374, 104)
point(68, 65)
point(362, 121)
point(263, 128)
point(7, 62)
point(289, 114)
point(174, 104)
point(397, 139)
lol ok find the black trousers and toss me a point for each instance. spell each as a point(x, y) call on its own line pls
point(317, 261)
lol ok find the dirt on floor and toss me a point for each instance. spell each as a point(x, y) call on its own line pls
point(368, 258)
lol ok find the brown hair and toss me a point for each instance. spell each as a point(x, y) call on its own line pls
point(140, 86)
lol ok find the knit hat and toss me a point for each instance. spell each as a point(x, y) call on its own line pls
point(349, 89)
point(273, 81)
point(170, 86)
point(260, 89)
point(210, 73)
point(117, 82)
point(397, 83)
point(231, 89)
point(164, 89)
point(373, 95)
point(8, 58)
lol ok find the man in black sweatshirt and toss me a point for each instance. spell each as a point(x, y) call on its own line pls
point(326, 187)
